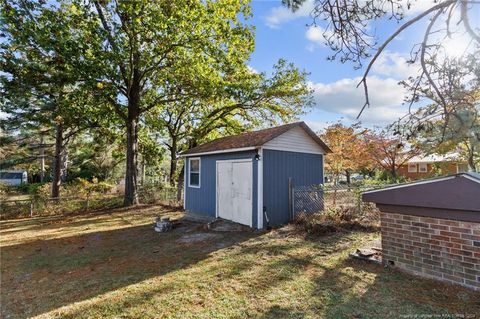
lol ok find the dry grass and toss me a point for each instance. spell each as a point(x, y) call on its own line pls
point(112, 265)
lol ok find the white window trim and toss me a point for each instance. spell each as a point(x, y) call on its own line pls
point(260, 190)
point(185, 176)
point(412, 170)
point(424, 165)
point(199, 171)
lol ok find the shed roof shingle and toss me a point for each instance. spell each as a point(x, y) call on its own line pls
point(253, 139)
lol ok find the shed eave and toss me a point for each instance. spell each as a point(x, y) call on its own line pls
point(228, 150)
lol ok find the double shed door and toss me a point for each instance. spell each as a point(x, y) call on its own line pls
point(235, 190)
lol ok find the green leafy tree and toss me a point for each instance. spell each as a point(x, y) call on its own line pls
point(460, 135)
point(350, 152)
point(40, 77)
point(390, 151)
point(450, 124)
point(248, 100)
point(97, 154)
point(147, 54)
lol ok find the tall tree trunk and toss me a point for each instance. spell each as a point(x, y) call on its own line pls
point(394, 170)
point(57, 161)
point(181, 178)
point(64, 173)
point(42, 160)
point(394, 173)
point(471, 161)
point(144, 168)
point(347, 174)
point(131, 173)
point(173, 162)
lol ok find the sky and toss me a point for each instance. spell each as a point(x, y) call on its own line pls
point(280, 33)
point(283, 34)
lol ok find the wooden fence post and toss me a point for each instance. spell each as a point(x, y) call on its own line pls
point(31, 208)
point(359, 201)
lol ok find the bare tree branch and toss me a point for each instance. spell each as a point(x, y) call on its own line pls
point(404, 26)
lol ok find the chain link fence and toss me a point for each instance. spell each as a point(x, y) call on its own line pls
point(340, 199)
point(40, 206)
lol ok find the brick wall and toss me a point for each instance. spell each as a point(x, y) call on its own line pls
point(446, 168)
point(443, 249)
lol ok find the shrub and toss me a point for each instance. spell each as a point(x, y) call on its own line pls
point(332, 221)
point(4, 189)
point(81, 187)
point(30, 188)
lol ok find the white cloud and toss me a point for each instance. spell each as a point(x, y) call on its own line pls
point(281, 14)
point(310, 47)
point(315, 34)
point(344, 98)
point(317, 126)
point(394, 64)
point(252, 69)
point(417, 6)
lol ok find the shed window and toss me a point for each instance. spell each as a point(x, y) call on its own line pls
point(422, 167)
point(194, 173)
point(412, 168)
point(9, 175)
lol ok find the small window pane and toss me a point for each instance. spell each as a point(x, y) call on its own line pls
point(194, 172)
point(412, 168)
point(194, 165)
point(194, 179)
point(422, 167)
point(9, 175)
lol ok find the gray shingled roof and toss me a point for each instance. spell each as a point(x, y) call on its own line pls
point(253, 139)
point(459, 191)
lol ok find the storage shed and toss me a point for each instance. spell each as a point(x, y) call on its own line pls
point(240, 177)
point(432, 227)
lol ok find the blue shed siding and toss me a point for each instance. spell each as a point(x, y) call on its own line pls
point(203, 200)
point(304, 169)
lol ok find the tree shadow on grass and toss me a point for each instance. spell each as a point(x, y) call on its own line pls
point(77, 218)
point(356, 289)
point(218, 287)
point(43, 275)
point(277, 311)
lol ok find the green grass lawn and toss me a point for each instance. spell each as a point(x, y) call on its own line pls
point(113, 265)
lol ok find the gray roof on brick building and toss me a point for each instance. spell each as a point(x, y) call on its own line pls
point(451, 194)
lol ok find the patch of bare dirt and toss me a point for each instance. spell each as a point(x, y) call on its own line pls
point(196, 238)
point(227, 226)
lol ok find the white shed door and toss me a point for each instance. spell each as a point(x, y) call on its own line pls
point(234, 191)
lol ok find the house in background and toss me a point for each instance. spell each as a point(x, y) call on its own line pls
point(13, 178)
point(422, 167)
point(239, 177)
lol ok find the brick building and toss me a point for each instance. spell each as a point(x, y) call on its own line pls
point(432, 228)
point(423, 167)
